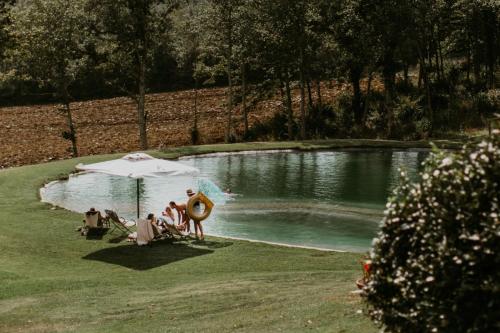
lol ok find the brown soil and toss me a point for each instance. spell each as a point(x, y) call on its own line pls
point(32, 134)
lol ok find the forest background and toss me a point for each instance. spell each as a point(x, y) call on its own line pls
point(88, 76)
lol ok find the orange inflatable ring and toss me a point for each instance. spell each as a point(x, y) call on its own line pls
point(194, 213)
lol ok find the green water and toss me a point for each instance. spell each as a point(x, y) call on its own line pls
point(321, 199)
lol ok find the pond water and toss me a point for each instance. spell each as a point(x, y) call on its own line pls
point(326, 199)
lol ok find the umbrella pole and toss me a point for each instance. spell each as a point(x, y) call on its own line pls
point(138, 198)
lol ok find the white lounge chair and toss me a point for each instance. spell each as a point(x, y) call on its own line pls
point(119, 222)
point(91, 223)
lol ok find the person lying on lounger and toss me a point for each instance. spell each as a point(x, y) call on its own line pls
point(168, 214)
point(197, 223)
point(163, 224)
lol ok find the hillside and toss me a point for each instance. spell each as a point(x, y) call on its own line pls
point(32, 134)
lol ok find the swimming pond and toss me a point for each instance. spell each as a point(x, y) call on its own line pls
point(327, 199)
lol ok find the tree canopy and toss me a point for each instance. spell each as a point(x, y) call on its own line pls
point(414, 68)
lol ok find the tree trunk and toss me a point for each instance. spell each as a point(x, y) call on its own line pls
point(405, 73)
point(469, 60)
point(229, 55)
point(302, 96)
point(71, 125)
point(425, 76)
point(141, 102)
point(440, 51)
point(289, 107)
point(355, 76)
point(195, 120)
point(476, 66)
point(435, 51)
point(318, 92)
point(282, 92)
point(420, 75)
point(367, 98)
point(438, 67)
point(309, 94)
point(194, 131)
point(389, 83)
point(429, 57)
point(229, 111)
point(244, 101)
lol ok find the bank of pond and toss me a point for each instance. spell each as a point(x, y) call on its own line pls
point(324, 199)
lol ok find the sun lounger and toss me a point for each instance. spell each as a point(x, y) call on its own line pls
point(176, 232)
point(119, 222)
point(170, 229)
point(145, 232)
point(160, 232)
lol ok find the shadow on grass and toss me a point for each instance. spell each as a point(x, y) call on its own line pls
point(146, 257)
point(96, 234)
point(117, 239)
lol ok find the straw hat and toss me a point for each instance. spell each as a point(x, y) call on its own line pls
point(189, 192)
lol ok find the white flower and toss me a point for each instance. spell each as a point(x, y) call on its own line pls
point(457, 260)
point(446, 161)
point(474, 238)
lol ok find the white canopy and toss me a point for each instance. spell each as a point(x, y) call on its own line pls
point(139, 165)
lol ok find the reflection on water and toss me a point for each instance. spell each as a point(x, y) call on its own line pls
point(322, 199)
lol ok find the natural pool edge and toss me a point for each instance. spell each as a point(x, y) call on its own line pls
point(303, 146)
point(268, 147)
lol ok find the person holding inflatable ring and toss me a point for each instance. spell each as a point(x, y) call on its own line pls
point(197, 223)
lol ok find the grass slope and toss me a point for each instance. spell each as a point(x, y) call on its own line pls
point(54, 280)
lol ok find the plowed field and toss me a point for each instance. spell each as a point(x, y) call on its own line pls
point(32, 134)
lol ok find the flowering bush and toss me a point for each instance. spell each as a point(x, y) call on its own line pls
point(436, 260)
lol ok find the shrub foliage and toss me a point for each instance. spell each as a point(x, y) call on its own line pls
point(436, 260)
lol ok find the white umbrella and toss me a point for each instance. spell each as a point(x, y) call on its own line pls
point(138, 166)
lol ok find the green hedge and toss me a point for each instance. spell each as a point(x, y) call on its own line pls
point(436, 259)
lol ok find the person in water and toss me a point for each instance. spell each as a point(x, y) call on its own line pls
point(181, 214)
point(197, 223)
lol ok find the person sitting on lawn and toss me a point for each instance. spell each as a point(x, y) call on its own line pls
point(157, 223)
point(181, 214)
point(152, 219)
point(100, 219)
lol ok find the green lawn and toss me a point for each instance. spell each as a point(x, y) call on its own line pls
point(54, 280)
